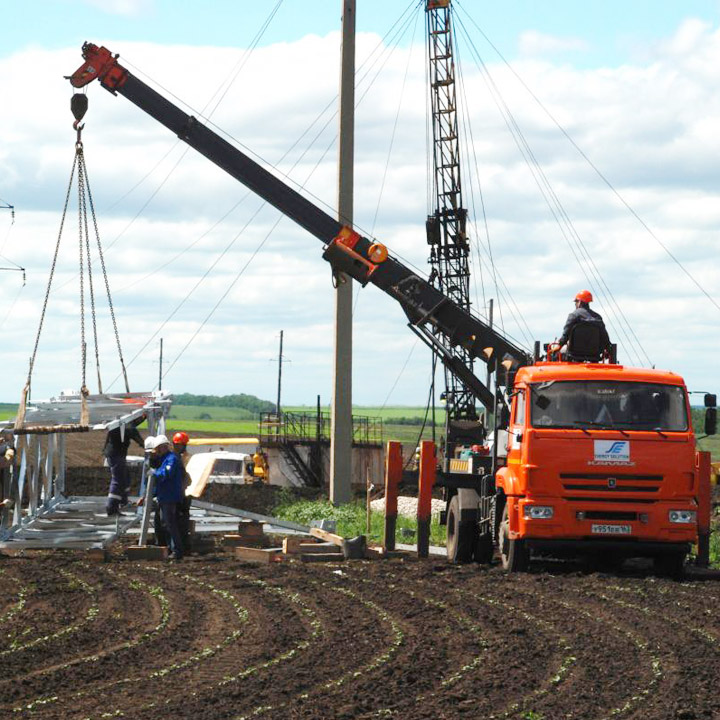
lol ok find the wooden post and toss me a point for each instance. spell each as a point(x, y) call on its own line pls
point(368, 489)
point(428, 468)
point(147, 509)
point(393, 474)
point(702, 461)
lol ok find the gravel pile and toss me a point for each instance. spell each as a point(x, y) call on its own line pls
point(407, 506)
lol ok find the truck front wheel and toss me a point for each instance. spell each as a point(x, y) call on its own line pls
point(461, 534)
point(513, 553)
point(671, 565)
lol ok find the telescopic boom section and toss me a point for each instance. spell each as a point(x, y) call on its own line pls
point(428, 310)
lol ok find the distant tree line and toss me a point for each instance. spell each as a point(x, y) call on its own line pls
point(404, 420)
point(248, 402)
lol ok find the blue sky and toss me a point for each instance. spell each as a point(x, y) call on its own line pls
point(634, 82)
point(613, 29)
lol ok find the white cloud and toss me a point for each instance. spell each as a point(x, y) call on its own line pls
point(129, 8)
point(533, 43)
point(649, 127)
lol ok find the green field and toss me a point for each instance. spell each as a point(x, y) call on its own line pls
point(238, 421)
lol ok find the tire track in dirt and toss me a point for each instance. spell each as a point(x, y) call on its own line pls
point(172, 656)
point(686, 681)
point(216, 638)
point(467, 671)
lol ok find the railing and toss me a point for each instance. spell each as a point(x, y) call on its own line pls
point(315, 427)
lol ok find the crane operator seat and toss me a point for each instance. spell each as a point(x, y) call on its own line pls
point(587, 342)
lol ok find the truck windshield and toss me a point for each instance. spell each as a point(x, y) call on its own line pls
point(598, 404)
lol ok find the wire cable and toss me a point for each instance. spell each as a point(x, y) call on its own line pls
point(599, 173)
point(582, 255)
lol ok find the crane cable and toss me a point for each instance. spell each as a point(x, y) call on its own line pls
point(567, 228)
point(599, 173)
point(85, 200)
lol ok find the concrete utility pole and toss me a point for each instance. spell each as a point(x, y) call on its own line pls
point(280, 362)
point(341, 412)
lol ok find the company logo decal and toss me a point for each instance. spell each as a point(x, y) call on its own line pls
point(611, 452)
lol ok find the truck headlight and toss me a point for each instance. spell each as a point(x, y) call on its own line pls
point(682, 516)
point(538, 512)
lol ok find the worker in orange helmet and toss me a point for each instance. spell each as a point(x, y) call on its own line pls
point(581, 314)
point(180, 440)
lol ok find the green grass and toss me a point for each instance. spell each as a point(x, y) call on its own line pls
point(215, 414)
point(246, 428)
point(351, 520)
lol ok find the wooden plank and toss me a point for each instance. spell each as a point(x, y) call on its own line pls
point(327, 536)
point(97, 555)
point(319, 548)
point(259, 555)
point(250, 528)
point(322, 557)
point(234, 540)
point(291, 544)
point(146, 552)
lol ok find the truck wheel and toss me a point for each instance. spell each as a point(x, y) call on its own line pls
point(513, 553)
point(461, 535)
point(484, 548)
point(670, 565)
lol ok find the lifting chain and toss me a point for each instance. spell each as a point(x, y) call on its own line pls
point(78, 106)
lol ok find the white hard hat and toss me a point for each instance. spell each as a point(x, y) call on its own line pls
point(149, 443)
point(160, 440)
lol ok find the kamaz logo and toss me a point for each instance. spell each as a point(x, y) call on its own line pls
point(616, 448)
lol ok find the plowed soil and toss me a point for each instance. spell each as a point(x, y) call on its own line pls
point(213, 637)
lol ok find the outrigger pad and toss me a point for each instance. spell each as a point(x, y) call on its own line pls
point(354, 548)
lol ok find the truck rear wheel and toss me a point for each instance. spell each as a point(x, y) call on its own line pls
point(461, 534)
point(513, 553)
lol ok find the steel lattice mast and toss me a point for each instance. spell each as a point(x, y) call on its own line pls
point(446, 225)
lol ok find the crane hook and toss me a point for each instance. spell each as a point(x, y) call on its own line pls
point(78, 106)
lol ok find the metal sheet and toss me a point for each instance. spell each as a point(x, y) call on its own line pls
point(103, 409)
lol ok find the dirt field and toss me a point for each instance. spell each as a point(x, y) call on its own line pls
point(216, 638)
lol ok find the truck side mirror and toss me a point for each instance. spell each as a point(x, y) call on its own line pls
point(710, 400)
point(711, 421)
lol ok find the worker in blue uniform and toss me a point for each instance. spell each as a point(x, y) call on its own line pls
point(115, 452)
point(169, 491)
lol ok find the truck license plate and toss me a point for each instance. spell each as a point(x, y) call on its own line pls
point(611, 529)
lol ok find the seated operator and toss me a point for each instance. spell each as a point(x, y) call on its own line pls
point(582, 315)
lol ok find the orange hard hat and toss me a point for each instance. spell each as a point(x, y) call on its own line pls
point(181, 438)
point(584, 296)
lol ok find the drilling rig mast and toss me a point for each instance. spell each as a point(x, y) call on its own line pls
point(446, 224)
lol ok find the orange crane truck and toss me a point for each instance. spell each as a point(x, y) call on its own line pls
point(600, 459)
point(582, 456)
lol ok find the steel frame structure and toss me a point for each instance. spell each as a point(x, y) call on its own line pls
point(36, 484)
point(447, 225)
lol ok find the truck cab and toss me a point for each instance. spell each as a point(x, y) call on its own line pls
point(600, 459)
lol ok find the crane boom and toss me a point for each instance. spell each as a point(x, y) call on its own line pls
point(428, 310)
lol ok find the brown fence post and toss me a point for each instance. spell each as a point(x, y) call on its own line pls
point(704, 508)
point(428, 468)
point(393, 474)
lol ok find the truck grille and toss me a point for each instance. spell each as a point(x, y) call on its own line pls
point(611, 483)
